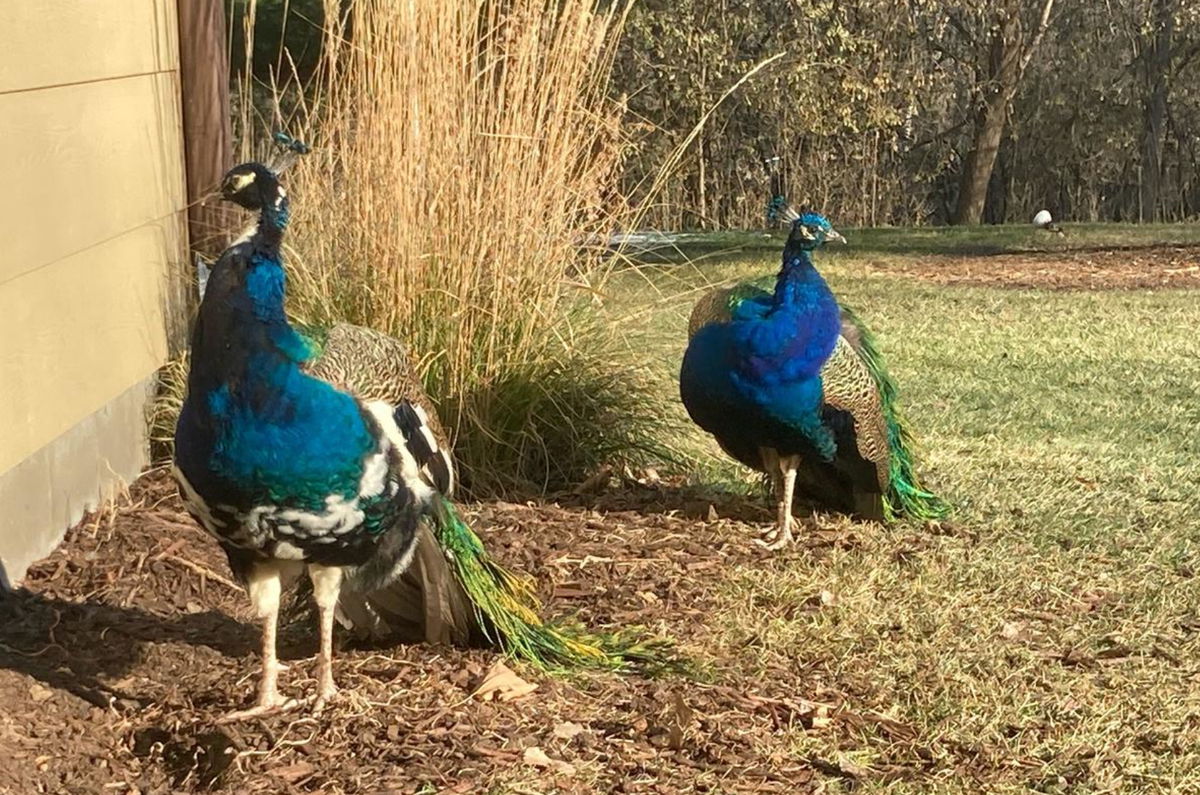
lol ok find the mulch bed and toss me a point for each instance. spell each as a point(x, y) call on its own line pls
point(1162, 267)
point(129, 642)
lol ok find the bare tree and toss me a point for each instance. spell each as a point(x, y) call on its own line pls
point(1010, 49)
point(1156, 64)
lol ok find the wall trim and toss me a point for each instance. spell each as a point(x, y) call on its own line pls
point(53, 488)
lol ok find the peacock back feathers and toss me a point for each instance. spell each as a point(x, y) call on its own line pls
point(373, 366)
point(718, 305)
point(367, 363)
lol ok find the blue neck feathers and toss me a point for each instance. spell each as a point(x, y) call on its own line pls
point(273, 219)
point(253, 419)
point(243, 306)
point(799, 281)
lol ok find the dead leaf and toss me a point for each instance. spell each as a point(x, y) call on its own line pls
point(683, 713)
point(894, 729)
point(536, 757)
point(712, 513)
point(1014, 630)
point(567, 730)
point(569, 590)
point(294, 772)
point(853, 769)
point(39, 693)
point(823, 598)
point(821, 719)
point(502, 684)
point(507, 757)
point(1091, 601)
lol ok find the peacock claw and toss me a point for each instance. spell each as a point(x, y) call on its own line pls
point(323, 698)
point(261, 710)
point(775, 540)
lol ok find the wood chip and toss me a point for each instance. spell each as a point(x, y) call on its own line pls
point(294, 773)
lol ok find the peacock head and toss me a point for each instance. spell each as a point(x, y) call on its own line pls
point(811, 231)
point(251, 185)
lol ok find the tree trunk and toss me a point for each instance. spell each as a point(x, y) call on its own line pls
point(1157, 65)
point(1008, 55)
point(207, 129)
point(1000, 85)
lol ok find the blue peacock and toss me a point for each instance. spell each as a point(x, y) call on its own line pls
point(316, 450)
point(792, 384)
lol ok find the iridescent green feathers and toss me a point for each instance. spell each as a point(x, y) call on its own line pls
point(854, 380)
point(509, 610)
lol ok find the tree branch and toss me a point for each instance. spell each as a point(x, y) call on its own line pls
point(940, 135)
point(1183, 59)
point(1043, 26)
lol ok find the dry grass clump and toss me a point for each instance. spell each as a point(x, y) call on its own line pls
point(462, 149)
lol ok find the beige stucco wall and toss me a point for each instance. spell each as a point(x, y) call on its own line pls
point(91, 237)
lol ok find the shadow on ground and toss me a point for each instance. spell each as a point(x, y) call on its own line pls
point(76, 646)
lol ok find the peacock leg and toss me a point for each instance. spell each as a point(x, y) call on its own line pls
point(771, 465)
point(327, 582)
point(266, 586)
point(783, 534)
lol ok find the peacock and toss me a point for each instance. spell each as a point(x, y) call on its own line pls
point(792, 384)
point(314, 451)
point(1045, 221)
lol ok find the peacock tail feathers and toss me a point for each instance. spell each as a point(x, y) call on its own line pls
point(509, 610)
point(905, 496)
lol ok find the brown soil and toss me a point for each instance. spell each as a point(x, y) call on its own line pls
point(1099, 269)
point(128, 643)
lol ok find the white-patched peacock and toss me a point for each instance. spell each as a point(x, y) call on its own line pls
point(791, 384)
point(303, 450)
point(1045, 221)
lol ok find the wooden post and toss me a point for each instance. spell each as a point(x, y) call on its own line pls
point(207, 129)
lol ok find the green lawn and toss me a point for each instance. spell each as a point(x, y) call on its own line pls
point(935, 240)
point(1052, 641)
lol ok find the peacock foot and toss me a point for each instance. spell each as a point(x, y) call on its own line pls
point(266, 707)
point(325, 694)
point(775, 539)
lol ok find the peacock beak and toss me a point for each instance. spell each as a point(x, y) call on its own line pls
point(833, 234)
